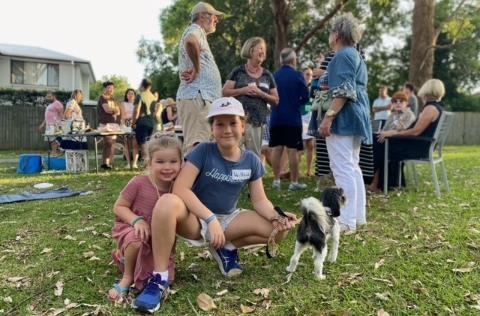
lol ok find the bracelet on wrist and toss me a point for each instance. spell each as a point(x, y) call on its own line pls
point(210, 219)
point(137, 219)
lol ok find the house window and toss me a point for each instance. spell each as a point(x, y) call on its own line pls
point(36, 74)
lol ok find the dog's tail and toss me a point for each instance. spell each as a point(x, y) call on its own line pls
point(310, 218)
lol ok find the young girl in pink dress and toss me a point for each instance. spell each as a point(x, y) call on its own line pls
point(133, 210)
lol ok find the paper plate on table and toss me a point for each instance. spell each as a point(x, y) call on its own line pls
point(43, 185)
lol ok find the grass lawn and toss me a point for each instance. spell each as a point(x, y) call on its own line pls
point(417, 255)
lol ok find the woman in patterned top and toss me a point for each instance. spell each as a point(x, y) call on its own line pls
point(254, 87)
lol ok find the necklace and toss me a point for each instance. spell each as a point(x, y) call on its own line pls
point(154, 183)
point(256, 70)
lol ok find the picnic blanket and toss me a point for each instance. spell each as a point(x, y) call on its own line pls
point(44, 195)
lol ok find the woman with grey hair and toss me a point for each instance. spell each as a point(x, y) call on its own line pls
point(254, 87)
point(347, 122)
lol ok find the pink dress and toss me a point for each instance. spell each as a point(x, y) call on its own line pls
point(141, 193)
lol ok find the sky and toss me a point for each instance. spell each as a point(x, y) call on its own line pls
point(105, 32)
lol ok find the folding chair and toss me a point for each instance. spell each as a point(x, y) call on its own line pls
point(435, 154)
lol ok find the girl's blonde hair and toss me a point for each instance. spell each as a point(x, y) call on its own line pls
point(161, 140)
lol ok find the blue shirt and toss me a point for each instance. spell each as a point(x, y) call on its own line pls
point(208, 82)
point(293, 94)
point(347, 77)
point(220, 181)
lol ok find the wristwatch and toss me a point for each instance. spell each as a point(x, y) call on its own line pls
point(331, 113)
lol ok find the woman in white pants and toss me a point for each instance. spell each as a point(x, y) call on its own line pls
point(347, 122)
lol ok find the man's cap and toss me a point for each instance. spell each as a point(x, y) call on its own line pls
point(202, 7)
point(226, 106)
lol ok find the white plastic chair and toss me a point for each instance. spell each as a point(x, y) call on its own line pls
point(434, 154)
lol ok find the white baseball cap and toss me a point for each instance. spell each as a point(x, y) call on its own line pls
point(226, 106)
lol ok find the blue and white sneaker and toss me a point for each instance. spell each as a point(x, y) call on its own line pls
point(152, 295)
point(227, 260)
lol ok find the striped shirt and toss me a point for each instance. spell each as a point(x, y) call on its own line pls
point(208, 82)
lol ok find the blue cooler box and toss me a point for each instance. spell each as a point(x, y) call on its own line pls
point(29, 164)
point(55, 163)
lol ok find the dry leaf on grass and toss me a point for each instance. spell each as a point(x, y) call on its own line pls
point(88, 254)
point(46, 250)
point(382, 312)
point(379, 263)
point(264, 292)
point(247, 309)
point(463, 270)
point(222, 292)
point(382, 296)
point(267, 304)
point(58, 288)
point(15, 279)
point(204, 255)
point(8, 299)
point(205, 302)
point(68, 237)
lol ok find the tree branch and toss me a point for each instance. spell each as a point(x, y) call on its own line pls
point(320, 25)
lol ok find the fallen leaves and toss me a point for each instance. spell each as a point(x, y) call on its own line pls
point(58, 288)
point(205, 302)
point(469, 268)
point(263, 292)
point(247, 309)
point(379, 263)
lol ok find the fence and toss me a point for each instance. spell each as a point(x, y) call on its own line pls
point(19, 127)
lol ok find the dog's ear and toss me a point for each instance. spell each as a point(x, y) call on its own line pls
point(332, 199)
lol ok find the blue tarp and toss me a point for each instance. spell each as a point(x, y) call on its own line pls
point(45, 195)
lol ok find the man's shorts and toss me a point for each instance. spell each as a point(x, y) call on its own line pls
point(285, 135)
point(225, 221)
point(193, 114)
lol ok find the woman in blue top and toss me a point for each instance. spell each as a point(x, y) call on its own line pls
point(204, 208)
point(347, 122)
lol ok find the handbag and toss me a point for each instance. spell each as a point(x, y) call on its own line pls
point(321, 101)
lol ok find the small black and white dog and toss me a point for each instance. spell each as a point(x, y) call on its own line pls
point(318, 225)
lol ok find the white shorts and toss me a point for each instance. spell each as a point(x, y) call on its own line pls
point(225, 221)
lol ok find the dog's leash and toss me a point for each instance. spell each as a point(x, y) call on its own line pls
point(272, 247)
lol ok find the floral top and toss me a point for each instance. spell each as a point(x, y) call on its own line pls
point(347, 78)
point(400, 120)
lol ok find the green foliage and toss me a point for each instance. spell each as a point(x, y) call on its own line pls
point(120, 82)
point(36, 97)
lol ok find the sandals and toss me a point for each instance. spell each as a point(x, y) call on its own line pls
point(122, 293)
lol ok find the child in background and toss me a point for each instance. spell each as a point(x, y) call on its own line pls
point(204, 208)
point(400, 118)
point(133, 210)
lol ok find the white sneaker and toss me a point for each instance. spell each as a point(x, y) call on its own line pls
point(276, 184)
point(295, 186)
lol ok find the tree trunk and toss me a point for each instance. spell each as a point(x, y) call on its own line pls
point(280, 10)
point(423, 42)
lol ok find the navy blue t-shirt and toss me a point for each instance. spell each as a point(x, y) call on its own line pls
point(220, 181)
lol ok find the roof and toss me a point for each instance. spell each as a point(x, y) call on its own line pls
point(40, 53)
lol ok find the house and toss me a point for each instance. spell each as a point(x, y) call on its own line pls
point(36, 68)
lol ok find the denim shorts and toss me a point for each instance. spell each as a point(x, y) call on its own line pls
point(225, 221)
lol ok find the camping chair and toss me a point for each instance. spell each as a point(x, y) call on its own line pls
point(434, 154)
